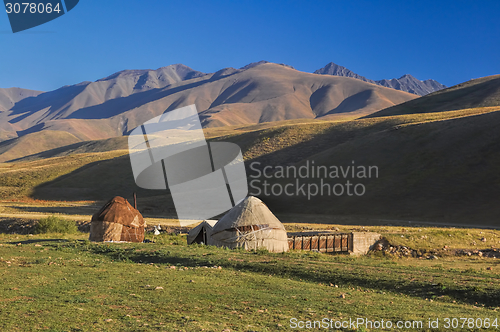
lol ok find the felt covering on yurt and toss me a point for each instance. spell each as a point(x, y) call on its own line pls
point(201, 233)
point(117, 220)
point(251, 225)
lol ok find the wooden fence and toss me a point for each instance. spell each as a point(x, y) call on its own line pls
point(341, 242)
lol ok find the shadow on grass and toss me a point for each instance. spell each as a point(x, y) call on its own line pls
point(376, 278)
point(68, 210)
point(40, 241)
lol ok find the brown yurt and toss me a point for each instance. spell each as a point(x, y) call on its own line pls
point(117, 220)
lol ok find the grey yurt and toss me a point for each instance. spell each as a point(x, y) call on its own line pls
point(251, 225)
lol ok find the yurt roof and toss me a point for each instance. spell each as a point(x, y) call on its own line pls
point(119, 210)
point(251, 211)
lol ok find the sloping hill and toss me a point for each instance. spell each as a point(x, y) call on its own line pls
point(62, 148)
point(98, 169)
point(34, 143)
point(445, 170)
point(441, 167)
point(481, 92)
point(114, 144)
point(261, 92)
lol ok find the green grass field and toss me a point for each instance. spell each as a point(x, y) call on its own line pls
point(60, 282)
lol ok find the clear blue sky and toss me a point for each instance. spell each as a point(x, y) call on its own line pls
point(450, 41)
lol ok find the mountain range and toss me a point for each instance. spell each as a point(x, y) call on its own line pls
point(406, 82)
point(259, 92)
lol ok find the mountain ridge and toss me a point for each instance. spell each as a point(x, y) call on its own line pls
point(10, 96)
point(337, 70)
point(406, 83)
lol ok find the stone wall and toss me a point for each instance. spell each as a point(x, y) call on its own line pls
point(362, 242)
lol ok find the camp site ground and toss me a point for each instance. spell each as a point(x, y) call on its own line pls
point(64, 282)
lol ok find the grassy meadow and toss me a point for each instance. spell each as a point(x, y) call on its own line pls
point(57, 282)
